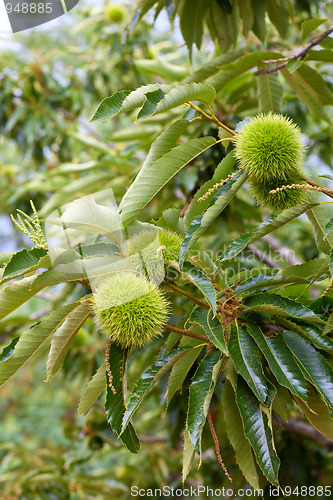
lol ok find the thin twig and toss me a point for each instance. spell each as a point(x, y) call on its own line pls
point(187, 333)
point(304, 430)
point(300, 54)
point(211, 118)
point(202, 303)
point(314, 183)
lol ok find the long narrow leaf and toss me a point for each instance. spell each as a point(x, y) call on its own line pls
point(247, 362)
point(316, 368)
point(152, 180)
point(257, 430)
point(64, 336)
point(212, 326)
point(265, 227)
point(93, 390)
point(236, 436)
point(201, 385)
point(222, 198)
point(281, 361)
point(32, 339)
point(201, 281)
point(114, 403)
point(149, 379)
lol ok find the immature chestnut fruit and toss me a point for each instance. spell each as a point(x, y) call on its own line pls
point(150, 252)
point(130, 310)
point(270, 148)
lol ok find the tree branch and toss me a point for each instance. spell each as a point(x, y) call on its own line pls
point(300, 54)
point(187, 333)
point(304, 430)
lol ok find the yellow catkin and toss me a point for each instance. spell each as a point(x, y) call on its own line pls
point(217, 185)
point(302, 186)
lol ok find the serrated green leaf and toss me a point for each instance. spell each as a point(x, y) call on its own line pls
point(247, 362)
point(311, 89)
point(201, 281)
point(319, 220)
point(164, 143)
point(275, 304)
point(325, 55)
point(247, 15)
point(266, 227)
point(5, 257)
point(8, 350)
point(180, 369)
point(32, 339)
point(154, 177)
point(282, 401)
point(152, 100)
point(201, 223)
point(311, 333)
point(64, 336)
point(185, 92)
point(327, 43)
point(305, 270)
point(114, 403)
point(191, 22)
point(281, 361)
point(315, 367)
point(203, 381)
point(328, 227)
point(278, 11)
point(310, 25)
point(124, 101)
point(211, 67)
point(212, 326)
point(293, 65)
point(230, 71)
point(257, 430)
point(24, 261)
point(149, 379)
point(17, 293)
point(110, 106)
point(86, 215)
point(235, 433)
point(188, 455)
point(259, 25)
point(263, 281)
point(317, 413)
point(220, 25)
point(269, 92)
point(163, 68)
point(93, 390)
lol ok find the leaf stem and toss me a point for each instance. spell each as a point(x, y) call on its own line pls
point(211, 118)
point(187, 333)
point(202, 303)
point(298, 55)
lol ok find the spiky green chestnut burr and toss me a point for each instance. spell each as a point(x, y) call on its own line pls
point(150, 252)
point(130, 310)
point(281, 200)
point(270, 148)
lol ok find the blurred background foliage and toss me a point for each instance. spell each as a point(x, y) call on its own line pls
point(51, 81)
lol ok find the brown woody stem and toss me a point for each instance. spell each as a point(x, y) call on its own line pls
point(187, 333)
